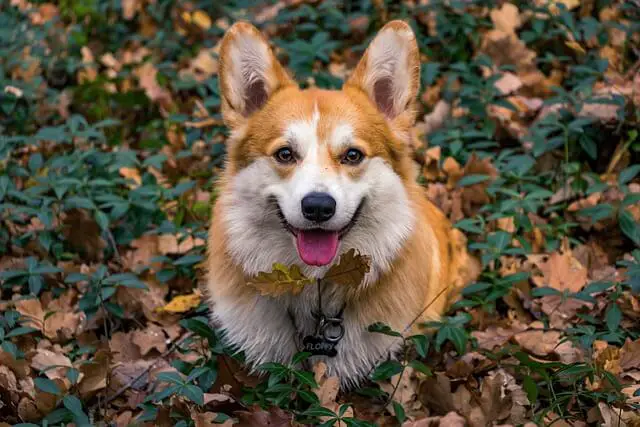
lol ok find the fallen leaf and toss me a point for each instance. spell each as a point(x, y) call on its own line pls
point(561, 271)
point(494, 336)
point(506, 18)
point(435, 394)
point(451, 419)
point(351, 269)
point(183, 303)
point(53, 365)
point(327, 391)
point(256, 417)
point(494, 401)
point(150, 338)
point(20, 367)
point(630, 355)
point(94, 374)
point(538, 342)
point(123, 348)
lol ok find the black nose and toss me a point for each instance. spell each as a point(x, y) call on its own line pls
point(318, 207)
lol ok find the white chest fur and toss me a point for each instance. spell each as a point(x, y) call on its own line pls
point(263, 328)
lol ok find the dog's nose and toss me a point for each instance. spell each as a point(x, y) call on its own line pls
point(318, 207)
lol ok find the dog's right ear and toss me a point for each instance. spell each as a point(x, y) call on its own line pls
point(249, 73)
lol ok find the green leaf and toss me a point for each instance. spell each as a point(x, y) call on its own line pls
point(381, 328)
point(47, 385)
point(629, 226)
point(421, 343)
point(305, 378)
point(419, 366)
point(193, 393)
point(399, 411)
point(628, 174)
point(613, 317)
point(74, 406)
point(386, 370)
point(472, 179)
point(319, 411)
point(299, 357)
point(541, 292)
point(531, 388)
point(170, 377)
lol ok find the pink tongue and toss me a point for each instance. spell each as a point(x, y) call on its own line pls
point(317, 247)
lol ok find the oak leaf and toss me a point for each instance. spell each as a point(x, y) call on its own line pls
point(350, 270)
point(280, 281)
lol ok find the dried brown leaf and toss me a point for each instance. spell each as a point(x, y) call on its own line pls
point(561, 271)
point(54, 365)
point(280, 281)
point(351, 269)
point(538, 342)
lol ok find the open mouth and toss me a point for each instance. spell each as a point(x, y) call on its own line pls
point(318, 246)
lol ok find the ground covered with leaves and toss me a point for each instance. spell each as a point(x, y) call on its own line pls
point(110, 144)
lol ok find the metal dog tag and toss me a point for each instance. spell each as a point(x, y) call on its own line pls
point(328, 334)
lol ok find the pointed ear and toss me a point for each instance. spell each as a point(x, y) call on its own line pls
point(389, 71)
point(249, 73)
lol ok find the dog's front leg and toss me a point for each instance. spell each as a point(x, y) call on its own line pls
point(261, 327)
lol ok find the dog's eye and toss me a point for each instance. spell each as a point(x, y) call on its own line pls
point(352, 157)
point(284, 155)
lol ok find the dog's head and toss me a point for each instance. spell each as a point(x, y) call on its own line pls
point(312, 173)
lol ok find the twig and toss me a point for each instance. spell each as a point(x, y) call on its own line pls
point(404, 367)
point(211, 121)
point(112, 240)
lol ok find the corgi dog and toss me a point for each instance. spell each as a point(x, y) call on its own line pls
point(310, 175)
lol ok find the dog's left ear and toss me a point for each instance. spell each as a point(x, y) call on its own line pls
point(389, 71)
point(249, 73)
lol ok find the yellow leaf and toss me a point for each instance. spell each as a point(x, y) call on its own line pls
point(201, 19)
point(182, 303)
point(280, 281)
point(350, 270)
point(574, 45)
